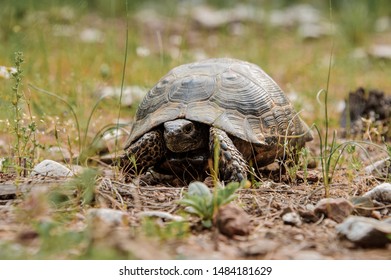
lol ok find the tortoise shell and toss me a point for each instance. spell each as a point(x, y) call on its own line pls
point(235, 96)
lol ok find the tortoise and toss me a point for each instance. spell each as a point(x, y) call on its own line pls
point(222, 104)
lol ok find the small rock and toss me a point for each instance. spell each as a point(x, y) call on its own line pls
point(107, 216)
point(329, 223)
point(385, 212)
point(381, 193)
point(383, 24)
point(91, 35)
point(212, 18)
point(308, 214)
point(143, 51)
point(334, 208)
point(381, 51)
point(312, 31)
point(387, 221)
point(130, 94)
point(295, 15)
point(162, 215)
point(308, 255)
point(209, 18)
point(50, 168)
point(362, 205)
point(292, 218)
point(232, 220)
point(365, 232)
point(310, 207)
point(286, 210)
point(359, 53)
point(311, 176)
point(259, 248)
point(379, 168)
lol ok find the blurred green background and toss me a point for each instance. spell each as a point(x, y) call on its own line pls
point(76, 49)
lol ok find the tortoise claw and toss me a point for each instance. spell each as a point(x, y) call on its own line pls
point(232, 166)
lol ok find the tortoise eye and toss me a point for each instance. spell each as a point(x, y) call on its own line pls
point(188, 128)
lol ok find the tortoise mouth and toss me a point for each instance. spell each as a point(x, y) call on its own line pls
point(182, 145)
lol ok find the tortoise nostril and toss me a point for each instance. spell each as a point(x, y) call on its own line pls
point(169, 133)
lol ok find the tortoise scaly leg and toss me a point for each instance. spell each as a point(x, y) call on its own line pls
point(144, 153)
point(232, 166)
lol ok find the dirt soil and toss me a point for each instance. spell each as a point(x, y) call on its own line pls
point(269, 237)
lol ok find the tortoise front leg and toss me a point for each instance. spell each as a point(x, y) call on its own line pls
point(232, 166)
point(144, 153)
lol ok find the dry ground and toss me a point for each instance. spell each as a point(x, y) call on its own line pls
point(269, 238)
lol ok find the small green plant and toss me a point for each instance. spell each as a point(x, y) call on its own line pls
point(76, 193)
point(388, 162)
point(354, 162)
point(329, 152)
point(24, 128)
point(168, 231)
point(200, 200)
point(304, 159)
point(296, 160)
point(85, 185)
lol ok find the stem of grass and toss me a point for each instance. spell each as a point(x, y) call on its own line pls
point(69, 106)
point(123, 74)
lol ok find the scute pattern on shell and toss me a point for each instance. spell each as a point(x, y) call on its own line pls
point(235, 96)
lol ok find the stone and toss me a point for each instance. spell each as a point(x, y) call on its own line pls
point(381, 193)
point(210, 18)
point(362, 205)
point(312, 31)
point(295, 15)
point(110, 217)
point(232, 220)
point(307, 214)
point(381, 51)
point(91, 35)
point(292, 218)
point(383, 24)
point(130, 95)
point(336, 209)
point(308, 255)
point(365, 232)
point(380, 168)
point(160, 214)
point(259, 248)
point(50, 168)
point(387, 221)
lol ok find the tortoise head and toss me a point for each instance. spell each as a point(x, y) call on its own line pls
point(182, 135)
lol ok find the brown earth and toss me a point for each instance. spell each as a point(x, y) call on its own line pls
point(268, 238)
